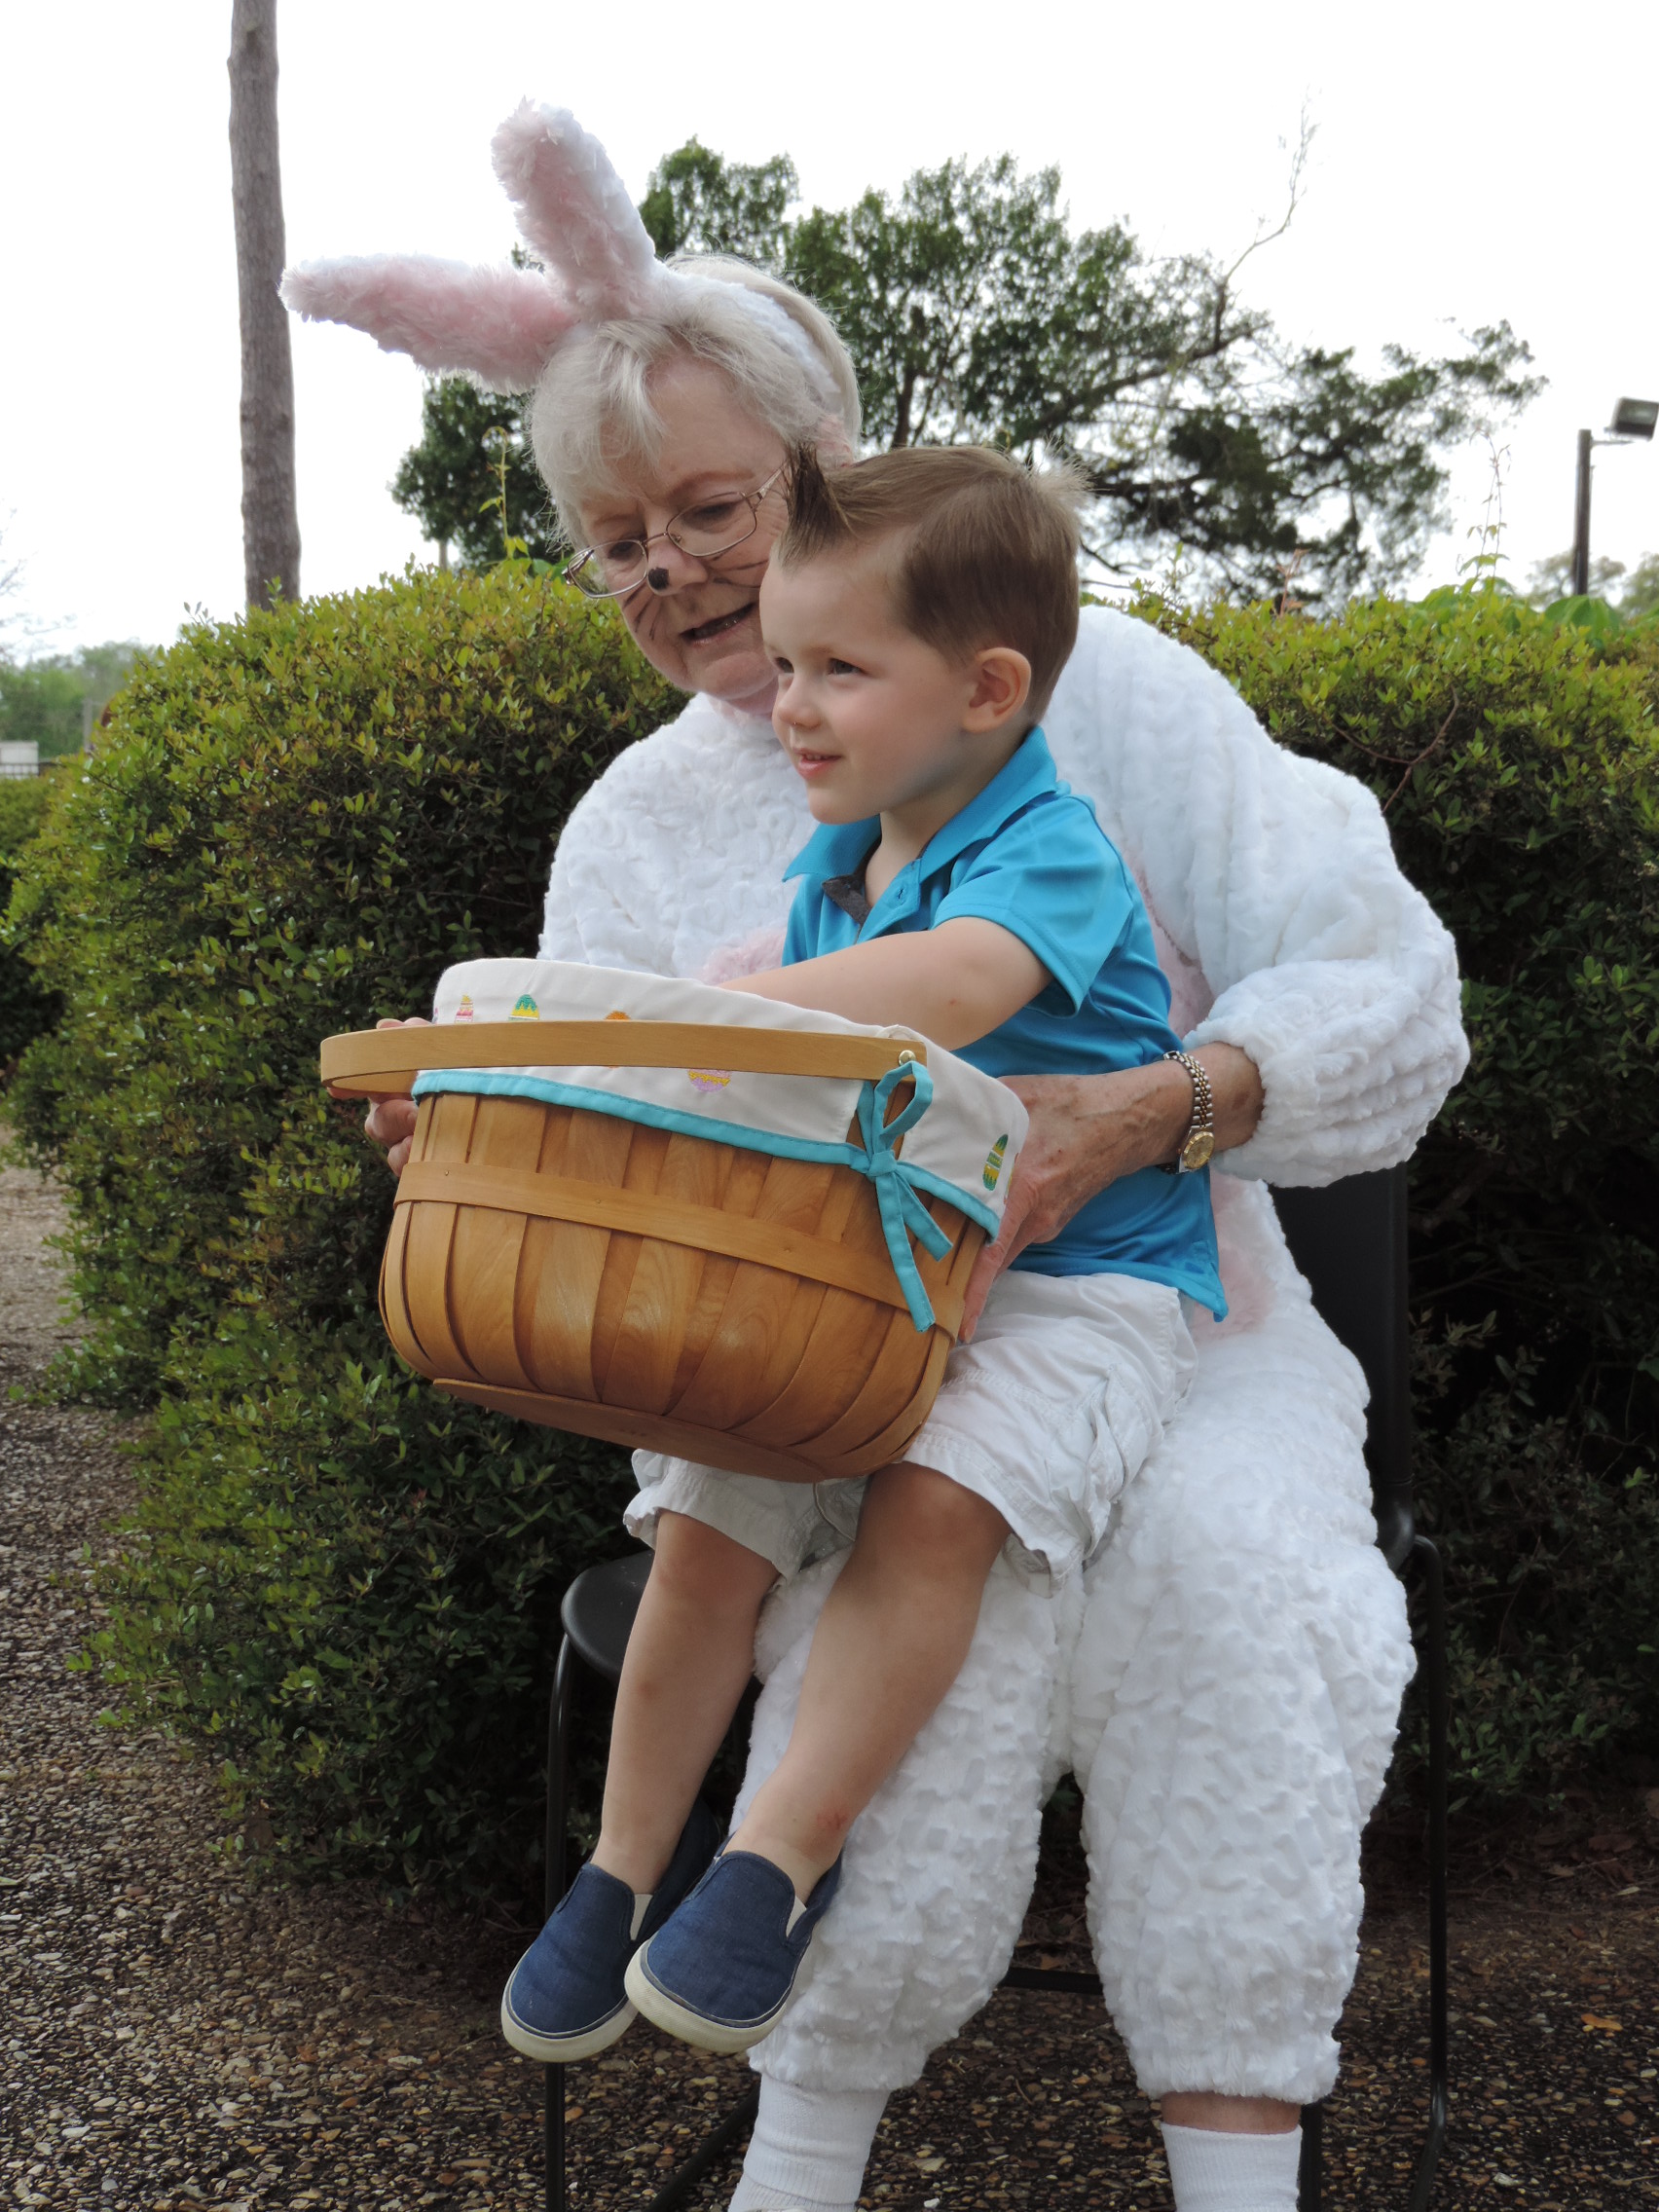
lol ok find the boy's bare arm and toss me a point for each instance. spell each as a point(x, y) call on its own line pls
point(954, 983)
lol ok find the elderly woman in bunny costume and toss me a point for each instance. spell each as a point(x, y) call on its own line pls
point(1224, 1677)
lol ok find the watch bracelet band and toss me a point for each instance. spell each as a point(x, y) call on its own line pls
point(1204, 1108)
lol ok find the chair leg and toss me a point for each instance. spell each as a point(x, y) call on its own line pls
point(553, 1889)
point(1311, 2168)
point(1439, 2046)
point(553, 2137)
point(679, 2185)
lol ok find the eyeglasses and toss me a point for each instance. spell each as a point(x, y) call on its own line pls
point(712, 527)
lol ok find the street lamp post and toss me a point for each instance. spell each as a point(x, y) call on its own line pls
point(1633, 419)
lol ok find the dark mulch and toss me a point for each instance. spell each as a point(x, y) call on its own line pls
point(174, 2036)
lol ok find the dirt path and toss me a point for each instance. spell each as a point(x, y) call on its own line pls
point(174, 2038)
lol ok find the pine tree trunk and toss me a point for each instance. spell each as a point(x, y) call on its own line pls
point(271, 519)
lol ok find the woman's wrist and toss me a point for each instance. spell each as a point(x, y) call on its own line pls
point(1143, 1116)
point(1237, 1094)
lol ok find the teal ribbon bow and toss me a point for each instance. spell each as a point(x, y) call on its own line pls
point(902, 1213)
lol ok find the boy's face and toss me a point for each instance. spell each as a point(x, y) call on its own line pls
point(872, 718)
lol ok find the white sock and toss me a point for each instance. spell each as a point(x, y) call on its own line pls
point(809, 2149)
point(1210, 2173)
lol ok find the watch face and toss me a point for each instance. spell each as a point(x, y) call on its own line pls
point(1196, 1151)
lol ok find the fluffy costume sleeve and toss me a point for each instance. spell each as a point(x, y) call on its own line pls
point(1275, 875)
point(678, 853)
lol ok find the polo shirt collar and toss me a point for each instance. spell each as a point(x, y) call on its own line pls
point(838, 848)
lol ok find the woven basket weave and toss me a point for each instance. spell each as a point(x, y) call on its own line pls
point(650, 1287)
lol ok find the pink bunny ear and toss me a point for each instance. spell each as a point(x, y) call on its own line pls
point(574, 211)
point(497, 324)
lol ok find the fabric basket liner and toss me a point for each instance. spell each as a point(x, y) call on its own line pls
point(956, 1136)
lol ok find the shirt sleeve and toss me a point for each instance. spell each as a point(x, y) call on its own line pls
point(1055, 880)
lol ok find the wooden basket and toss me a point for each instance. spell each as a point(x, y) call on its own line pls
point(653, 1287)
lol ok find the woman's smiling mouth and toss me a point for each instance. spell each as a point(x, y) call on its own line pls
point(717, 626)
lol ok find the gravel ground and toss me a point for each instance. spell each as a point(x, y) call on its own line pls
point(174, 2036)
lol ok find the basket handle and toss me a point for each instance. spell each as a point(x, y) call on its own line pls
point(376, 1063)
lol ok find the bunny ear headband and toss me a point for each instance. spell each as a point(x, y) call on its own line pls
point(504, 324)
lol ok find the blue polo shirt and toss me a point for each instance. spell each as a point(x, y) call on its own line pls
point(1028, 854)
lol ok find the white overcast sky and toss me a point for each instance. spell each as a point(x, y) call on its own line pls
point(1472, 163)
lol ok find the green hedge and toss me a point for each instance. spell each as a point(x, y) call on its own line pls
point(1519, 765)
point(290, 827)
point(27, 1009)
point(295, 822)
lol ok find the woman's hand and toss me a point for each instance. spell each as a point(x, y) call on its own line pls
point(392, 1121)
point(1087, 1130)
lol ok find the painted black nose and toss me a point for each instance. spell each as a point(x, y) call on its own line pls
point(657, 578)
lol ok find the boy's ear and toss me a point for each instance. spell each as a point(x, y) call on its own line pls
point(1002, 684)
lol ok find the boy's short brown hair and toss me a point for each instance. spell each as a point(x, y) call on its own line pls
point(989, 552)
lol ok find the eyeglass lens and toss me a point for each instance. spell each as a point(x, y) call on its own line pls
point(711, 528)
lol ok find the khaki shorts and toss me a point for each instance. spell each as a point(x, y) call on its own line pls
point(1061, 1396)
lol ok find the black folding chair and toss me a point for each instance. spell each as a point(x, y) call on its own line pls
point(1350, 1240)
point(597, 1617)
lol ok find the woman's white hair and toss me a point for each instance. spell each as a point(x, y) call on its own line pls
point(593, 406)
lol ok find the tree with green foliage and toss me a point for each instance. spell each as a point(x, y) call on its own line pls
point(452, 479)
point(1641, 593)
point(698, 203)
point(1630, 592)
point(28, 1009)
point(50, 699)
point(973, 312)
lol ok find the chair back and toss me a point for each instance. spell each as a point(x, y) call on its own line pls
point(1350, 1240)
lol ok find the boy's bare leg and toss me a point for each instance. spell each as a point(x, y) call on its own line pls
point(889, 1644)
point(689, 1656)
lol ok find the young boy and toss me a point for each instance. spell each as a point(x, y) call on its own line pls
point(918, 609)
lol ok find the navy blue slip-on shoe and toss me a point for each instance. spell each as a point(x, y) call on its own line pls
point(724, 1970)
point(564, 2000)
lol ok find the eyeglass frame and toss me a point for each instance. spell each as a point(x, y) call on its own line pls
point(751, 499)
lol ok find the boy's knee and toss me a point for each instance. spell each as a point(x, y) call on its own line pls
point(933, 1516)
point(705, 1566)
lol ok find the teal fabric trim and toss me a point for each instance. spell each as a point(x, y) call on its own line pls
point(903, 1213)
point(897, 1184)
point(941, 1187)
point(499, 1084)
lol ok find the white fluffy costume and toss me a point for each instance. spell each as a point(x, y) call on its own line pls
point(1226, 1684)
point(1225, 1680)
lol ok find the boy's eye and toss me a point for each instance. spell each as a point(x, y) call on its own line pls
point(782, 666)
point(842, 668)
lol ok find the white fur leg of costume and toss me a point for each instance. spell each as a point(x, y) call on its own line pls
point(1231, 1712)
point(938, 1865)
point(1235, 1696)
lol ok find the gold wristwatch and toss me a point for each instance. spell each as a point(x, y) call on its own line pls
point(1199, 1143)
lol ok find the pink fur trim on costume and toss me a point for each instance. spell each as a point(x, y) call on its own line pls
point(497, 324)
point(752, 955)
point(574, 211)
